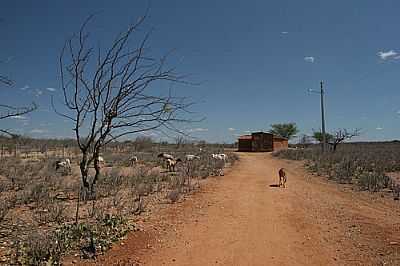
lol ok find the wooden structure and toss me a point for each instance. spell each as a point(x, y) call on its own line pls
point(261, 142)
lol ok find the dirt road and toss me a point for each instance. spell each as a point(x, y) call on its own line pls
point(240, 219)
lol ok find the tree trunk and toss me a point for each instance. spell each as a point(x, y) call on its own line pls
point(84, 170)
point(96, 168)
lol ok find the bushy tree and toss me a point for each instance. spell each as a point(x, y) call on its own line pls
point(285, 130)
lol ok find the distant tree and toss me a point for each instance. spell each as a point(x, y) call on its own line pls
point(143, 143)
point(305, 140)
point(319, 136)
point(285, 130)
point(109, 93)
point(337, 136)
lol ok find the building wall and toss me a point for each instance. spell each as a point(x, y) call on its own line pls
point(262, 142)
point(245, 145)
point(280, 144)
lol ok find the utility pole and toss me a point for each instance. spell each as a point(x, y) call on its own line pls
point(323, 118)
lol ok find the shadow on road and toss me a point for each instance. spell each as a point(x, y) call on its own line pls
point(274, 185)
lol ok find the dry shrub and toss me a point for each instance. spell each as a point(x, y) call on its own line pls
point(39, 249)
point(173, 195)
point(362, 164)
point(6, 204)
point(90, 239)
point(373, 181)
point(53, 211)
point(38, 193)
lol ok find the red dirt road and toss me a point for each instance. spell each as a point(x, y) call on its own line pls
point(239, 219)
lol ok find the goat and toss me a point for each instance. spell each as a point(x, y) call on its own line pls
point(133, 160)
point(282, 177)
point(100, 159)
point(220, 156)
point(165, 156)
point(191, 157)
point(171, 163)
point(66, 164)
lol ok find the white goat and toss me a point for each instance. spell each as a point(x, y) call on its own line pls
point(220, 156)
point(165, 156)
point(171, 163)
point(100, 159)
point(133, 160)
point(66, 164)
point(191, 157)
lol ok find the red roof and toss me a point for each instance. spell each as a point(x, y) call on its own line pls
point(249, 137)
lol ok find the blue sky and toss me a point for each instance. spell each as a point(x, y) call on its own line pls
point(255, 60)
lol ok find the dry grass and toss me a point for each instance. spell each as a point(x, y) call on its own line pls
point(38, 204)
point(363, 164)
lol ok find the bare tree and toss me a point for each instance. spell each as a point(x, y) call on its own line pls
point(337, 137)
point(5, 80)
point(108, 93)
point(9, 111)
point(341, 135)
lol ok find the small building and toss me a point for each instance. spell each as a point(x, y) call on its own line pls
point(261, 142)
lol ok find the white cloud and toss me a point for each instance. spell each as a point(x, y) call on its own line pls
point(21, 117)
point(379, 128)
point(24, 88)
point(198, 129)
point(51, 89)
point(309, 59)
point(387, 55)
point(149, 134)
point(38, 131)
point(247, 131)
point(284, 32)
point(231, 129)
point(38, 92)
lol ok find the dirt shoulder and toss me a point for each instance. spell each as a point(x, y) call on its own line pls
point(239, 219)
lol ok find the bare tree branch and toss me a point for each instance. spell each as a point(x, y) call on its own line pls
point(113, 94)
point(5, 80)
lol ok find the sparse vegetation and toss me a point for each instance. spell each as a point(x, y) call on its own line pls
point(38, 203)
point(363, 164)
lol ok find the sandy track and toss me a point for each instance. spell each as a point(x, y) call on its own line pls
point(239, 219)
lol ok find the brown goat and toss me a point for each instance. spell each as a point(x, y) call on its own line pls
point(282, 178)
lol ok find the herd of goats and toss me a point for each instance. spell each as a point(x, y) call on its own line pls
point(169, 160)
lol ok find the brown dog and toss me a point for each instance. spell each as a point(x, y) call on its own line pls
point(282, 178)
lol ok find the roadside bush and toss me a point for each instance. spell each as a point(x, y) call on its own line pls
point(373, 181)
point(363, 164)
point(90, 239)
point(173, 195)
point(53, 211)
point(6, 204)
point(40, 249)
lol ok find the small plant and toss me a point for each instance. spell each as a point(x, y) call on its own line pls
point(6, 205)
point(373, 181)
point(53, 211)
point(173, 195)
point(40, 249)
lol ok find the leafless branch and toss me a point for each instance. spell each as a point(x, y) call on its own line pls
point(113, 93)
